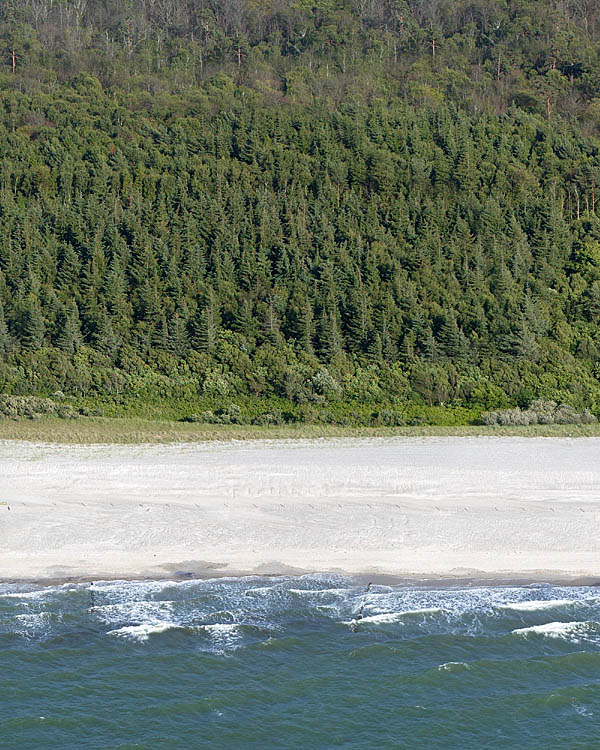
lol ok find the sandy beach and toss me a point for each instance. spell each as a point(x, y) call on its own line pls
point(452, 508)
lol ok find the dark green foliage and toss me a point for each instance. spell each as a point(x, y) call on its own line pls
point(308, 208)
point(70, 338)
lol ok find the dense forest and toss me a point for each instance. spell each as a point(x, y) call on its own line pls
point(367, 211)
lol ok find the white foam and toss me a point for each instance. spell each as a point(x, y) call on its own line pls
point(143, 631)
point(221, 628)
point(422, 611)
point(532, 606)
point(224, 636)
point(453, 666)
point(259, 590)
point(582, 710)
point(144, 610)
point(33, 620)
point(318, 592)
point(38, 594)
point(386, 618)
point(572, 631)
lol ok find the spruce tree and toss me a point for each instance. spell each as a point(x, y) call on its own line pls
point(70, 338)
point(206, 327)
point(307, 329)
point(33, 327)
point(105, 338)
point(4, 335)
point(179, 340)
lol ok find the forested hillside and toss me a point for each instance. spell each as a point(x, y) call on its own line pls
point(358, 211)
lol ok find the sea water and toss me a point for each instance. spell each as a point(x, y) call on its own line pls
point(286, 663)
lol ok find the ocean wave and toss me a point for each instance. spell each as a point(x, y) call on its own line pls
point(33, 624)
point(420, 611)
point(144, 609)
point(258, 590)
point(318, 592)
point(36, 594)
point(454, 666)
point(383, 619)
point(582, 710)
point(224, 636)
point(387, 618)
point(221, 629)
point(569, 631)
point(532, 606)
point(143, 631)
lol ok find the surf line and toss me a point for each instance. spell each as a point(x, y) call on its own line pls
point(362, 609)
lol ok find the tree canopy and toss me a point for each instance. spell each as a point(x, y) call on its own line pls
point(347, 211)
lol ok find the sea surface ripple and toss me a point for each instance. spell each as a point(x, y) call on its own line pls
point(286, 662)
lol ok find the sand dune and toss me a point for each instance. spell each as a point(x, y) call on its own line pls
point(426, 507)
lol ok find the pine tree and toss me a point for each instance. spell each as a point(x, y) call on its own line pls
point(375, 347)
point(207, 325)
point(33, 327)
point(522, 343)
point(4, 335)
point(449, 336)
point(116, 292)
point(307, 329)
point(105, 338)
point(330, 339)
point(160, 334)
point(431, 350)
point(245, 321)
point(70, 338)
point(179, 340)
point(69, 269)
point(272, 322)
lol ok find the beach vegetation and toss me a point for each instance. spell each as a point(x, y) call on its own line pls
point(33, 407)
point(539, 412)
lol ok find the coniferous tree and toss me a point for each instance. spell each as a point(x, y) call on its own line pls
point(207, 326)
point(4, 335)
point(179, 341)
point(105, 338)
point(432, 215)
point(33, 327)
point(70, 338)
point(330, 339)
point(307, 328)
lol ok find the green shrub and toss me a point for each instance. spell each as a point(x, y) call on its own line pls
point(274, 417)
point(230, 415)
point(539, 412)
point(388, 418)
point(33, 407)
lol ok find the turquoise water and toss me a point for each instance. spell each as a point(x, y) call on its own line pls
point(282, 663)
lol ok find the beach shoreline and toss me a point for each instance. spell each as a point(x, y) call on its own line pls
point(456, 511)
point(435, 582)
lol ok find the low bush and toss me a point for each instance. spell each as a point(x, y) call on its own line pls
point(274, 417)
point(539, 412)
point(33, 407)
point(388, 418)
point(230, 415)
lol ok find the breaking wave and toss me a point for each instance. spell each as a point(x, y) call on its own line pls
point(143, 631)
point(569, 631)
point(173, 656)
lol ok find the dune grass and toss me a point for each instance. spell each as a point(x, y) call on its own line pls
point(131, 430)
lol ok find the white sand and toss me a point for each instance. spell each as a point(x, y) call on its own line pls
point(499, 507)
